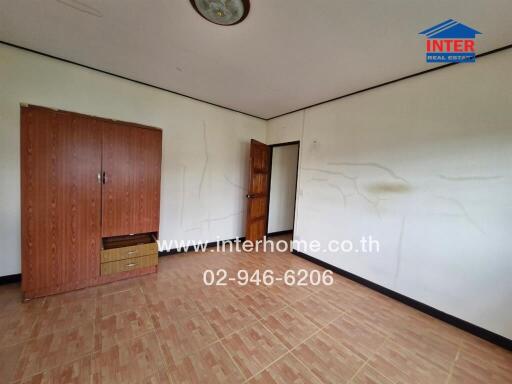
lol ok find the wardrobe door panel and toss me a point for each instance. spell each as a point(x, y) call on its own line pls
point(82, 197)
point(147, 171)
point(60, 199)
point(131, 190)
point(119, 153)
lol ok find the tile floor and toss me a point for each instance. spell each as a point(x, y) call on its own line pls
point(171, 328)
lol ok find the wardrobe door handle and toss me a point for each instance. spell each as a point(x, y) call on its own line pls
point(104, 177)
point(99, 178)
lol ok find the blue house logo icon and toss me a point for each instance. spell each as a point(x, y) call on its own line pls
point(450, 42)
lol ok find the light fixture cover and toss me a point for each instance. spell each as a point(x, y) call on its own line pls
point(222, 12)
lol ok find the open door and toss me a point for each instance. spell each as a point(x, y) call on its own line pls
point(257, 196)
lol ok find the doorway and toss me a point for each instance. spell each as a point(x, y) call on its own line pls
point(282, 189)
point(271, 195)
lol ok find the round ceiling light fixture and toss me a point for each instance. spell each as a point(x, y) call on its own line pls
point(222, 12)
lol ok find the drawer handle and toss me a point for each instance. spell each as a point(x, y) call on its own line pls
point(131, 265)
point(132, 252)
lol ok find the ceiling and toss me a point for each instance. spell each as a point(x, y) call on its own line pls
point(287, 54)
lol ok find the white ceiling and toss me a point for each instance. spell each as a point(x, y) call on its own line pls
point(286, 55)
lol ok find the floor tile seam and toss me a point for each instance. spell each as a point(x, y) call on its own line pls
point(371, 325)
point(131, 308)
point(25, 343)
point(268, 365)
point(257, 319)
point(416, 355)
point(145, 333)
point(144, 307)
point(292, 351)
point(389, 340)
point(232, 360)
point(303, 316)
point(369, 358)
point(80, 357)
point(162, 355)
point(273, 334)
point(94, 298)
point(340, 313)
point(136, 287)
point(454, 362)
point(92, 320)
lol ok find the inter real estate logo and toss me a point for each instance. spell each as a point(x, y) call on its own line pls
point(450, 42)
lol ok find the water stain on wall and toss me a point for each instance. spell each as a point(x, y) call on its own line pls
point(383, 187)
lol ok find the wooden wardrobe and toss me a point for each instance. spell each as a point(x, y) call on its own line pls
point(90, 200)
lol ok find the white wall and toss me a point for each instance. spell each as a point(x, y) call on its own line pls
point(205, 148)
point(286, 128)
point(425, 167)
point(282, 188)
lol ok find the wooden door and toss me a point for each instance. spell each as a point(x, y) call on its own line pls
point(257, 196)
point(60, 200)
point(131, 189)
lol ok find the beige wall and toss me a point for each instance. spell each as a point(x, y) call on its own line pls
point(425, 167)
point(205, 148)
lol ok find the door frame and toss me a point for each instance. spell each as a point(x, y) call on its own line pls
point(271, 152)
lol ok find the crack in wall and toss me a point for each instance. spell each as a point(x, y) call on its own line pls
point(377, 204)
point(206, 160)
point(182, 208)
point(399, 251)
point(220, 218)
point(183, 195)
point(464, 211)
point(209, 219)
point(326, 171)
point(303, 124)
point(342, 193)
point(354, 180)
point(389, 171)
point(469, 178)
point(81, 7)
point(192, 229)
point(232, 183)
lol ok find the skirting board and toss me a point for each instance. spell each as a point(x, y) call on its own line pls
point(447, 318)
point(10, 279)
point(280, 233)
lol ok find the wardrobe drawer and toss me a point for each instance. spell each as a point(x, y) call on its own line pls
point(129, 264)
point(115, 254)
